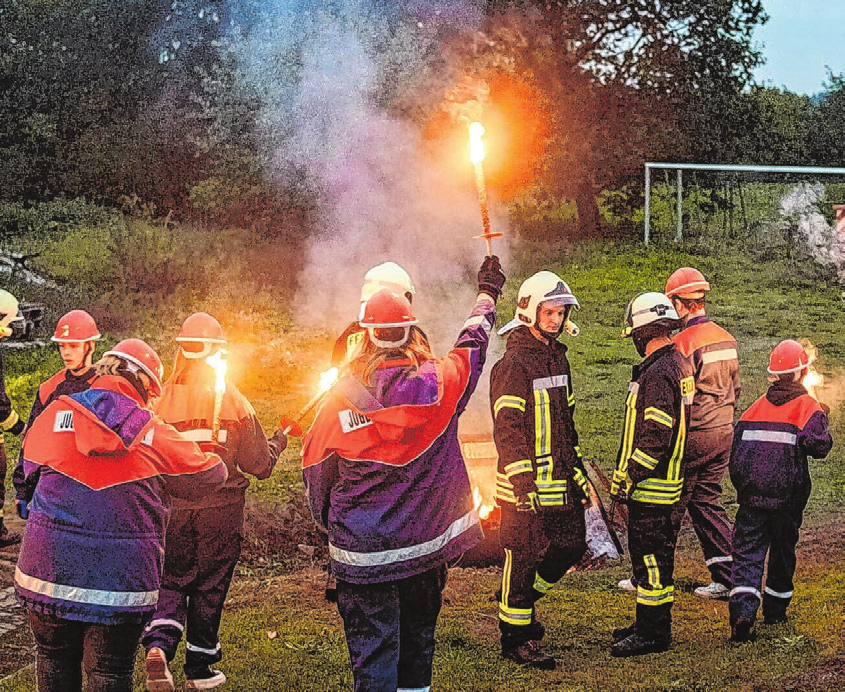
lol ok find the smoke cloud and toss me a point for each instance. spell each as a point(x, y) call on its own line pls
point(326, 74)
point(823, 243)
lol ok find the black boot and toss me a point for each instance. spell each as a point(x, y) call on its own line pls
point(621, 633)
point(531, 655)
point(636, 645)
point(743, 631)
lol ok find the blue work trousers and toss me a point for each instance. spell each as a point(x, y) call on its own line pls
point(756, 533)
point(389, 630)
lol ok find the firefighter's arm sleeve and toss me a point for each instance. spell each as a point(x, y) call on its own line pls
point(657, 418)
point(580, 471)
point(510, 392)
point(254, 455)
point(319, 480)
point(815, 438)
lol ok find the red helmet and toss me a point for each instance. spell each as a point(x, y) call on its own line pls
point(141, 354)
point(387, 310)
point(76, 327)
point(788, 356)
point(200, 328)
point(686, 282)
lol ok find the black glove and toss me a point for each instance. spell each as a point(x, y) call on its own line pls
point(490, 277)
point(278, 442)
point(528, 503)
point(18, 427)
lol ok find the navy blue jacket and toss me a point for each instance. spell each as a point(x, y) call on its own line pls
point(772, 441)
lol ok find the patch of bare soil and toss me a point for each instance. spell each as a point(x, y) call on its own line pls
point(826, 676)
point(275, 530)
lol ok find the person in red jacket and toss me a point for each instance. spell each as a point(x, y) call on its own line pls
point(204, 536)
point(76, 335)
point(9, 419)
point(771, 475)
point(89, 569)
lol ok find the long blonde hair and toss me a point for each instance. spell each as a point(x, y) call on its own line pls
point(416, 349)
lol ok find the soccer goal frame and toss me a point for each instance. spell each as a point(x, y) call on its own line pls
point(736, 168)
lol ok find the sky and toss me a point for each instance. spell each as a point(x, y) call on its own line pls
point(799, 40)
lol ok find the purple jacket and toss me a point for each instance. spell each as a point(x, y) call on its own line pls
point(383, 468)
point(94, 543)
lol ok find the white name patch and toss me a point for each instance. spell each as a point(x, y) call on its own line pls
point(63, 422)
point(352, 420)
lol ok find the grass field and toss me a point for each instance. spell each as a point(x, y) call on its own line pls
point(279, 633)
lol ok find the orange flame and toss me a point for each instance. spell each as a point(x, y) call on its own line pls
point(484, 509)
point(218, 362)
point(476, 145)
point(328, 380)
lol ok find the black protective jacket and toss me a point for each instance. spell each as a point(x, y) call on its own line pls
point(657, 414)
point(532, 402)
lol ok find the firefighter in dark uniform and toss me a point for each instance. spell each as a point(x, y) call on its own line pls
point(385, 275)
point(713, 354)
point(10, 421)
point(769, 469)
point(649, 472)
point(541, 484)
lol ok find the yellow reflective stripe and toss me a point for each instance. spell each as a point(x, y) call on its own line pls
point(658, 416)
point(517, 467)
point(515, 616)
point(506, 576)
point(582, 481)
point(628, 430)
point(571, 399)
point(504, 489)
point(544, 470)
point(657, 491)
point(551, 500)
point(558, 486)
point(542, 424)
point(655, 597)
point(644, 459)
point(678, 452)
point(577, 449)
point(10, 421)
point(508, 401)
point(541, 584)
point(653, 571)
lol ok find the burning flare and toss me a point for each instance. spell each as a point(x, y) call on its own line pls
point(484, 509)
point(476, 145)
point(814, 378)
point(328, 379)
point(218, 362)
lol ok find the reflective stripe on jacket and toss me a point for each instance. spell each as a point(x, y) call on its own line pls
point(713, 355)
point(190, 409)
point(772, 441)
point(94, 542)
point(532, 402)
point(383, 468)
point(656, 424)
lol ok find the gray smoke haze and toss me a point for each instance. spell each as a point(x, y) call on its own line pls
point(325, 77)
point(325, 74)
point(822, 241)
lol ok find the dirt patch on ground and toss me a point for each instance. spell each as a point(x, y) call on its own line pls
point(828, 674)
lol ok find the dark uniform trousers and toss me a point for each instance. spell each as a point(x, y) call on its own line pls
point(390, 622)
point(705, 465)
point(652, 536)
point(539, 549)
point(203, 547)
point(757, 532)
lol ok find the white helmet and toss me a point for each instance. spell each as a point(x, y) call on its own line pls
point(386, 275)
point(8, 312)
point(543, 287)
point(649, 308)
